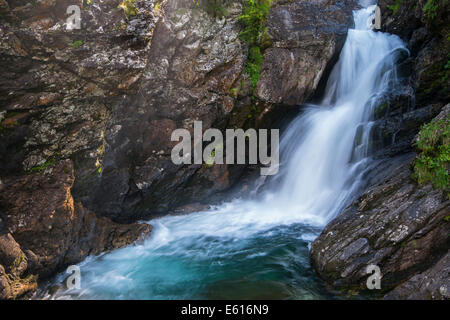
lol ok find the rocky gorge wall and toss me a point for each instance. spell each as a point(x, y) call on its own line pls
point(86, 118)
point(401, 222)
point(86, 115)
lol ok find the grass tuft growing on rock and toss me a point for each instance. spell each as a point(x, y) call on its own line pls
point(253, 66)
point(430, 9)
point(432, 164)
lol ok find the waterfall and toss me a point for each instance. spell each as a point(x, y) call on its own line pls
point(327, 146)
point(242, 248)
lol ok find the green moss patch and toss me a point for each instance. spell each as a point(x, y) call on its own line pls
point(46, 164)
point(254, 33)
point(77, 44)
point(430, 9)
point(395, 7)
point(432, 164)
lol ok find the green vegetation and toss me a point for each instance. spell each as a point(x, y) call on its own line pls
point(395, 7)
point(430, 9)
point(38, 169)
point(438, 74)
point(433, 162)
point(234, 92)
point(157, 6)
point(254, 111)
point(128, 7)
point(254, 20)
point(210, 161)
point(253, 66)
point(212, 157)
point(77, 44)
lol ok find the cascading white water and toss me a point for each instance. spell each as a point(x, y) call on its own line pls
point(248, 246)
point(327, 146)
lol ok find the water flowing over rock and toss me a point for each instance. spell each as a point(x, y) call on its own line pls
point(102, 101)
point(86, 118)
point(326, 150)
point(396, 224)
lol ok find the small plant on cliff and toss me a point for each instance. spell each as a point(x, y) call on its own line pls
point(253, 66)
point(77, 44)
point(433, 162)
point(430, 9)
point(157, 6)
point(254, 20)
point(38, 169)
point(395, 7)
point(128, 7)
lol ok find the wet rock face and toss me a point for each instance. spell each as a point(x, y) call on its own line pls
point(13, 266)
point(424, 73)
point(194, 60)
point(108, 97)
point(44, 229)
point(397, 120)
point(395, 225)
point(427, 38)
point(58, 87)
point(306, 37)
point(433, 283)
